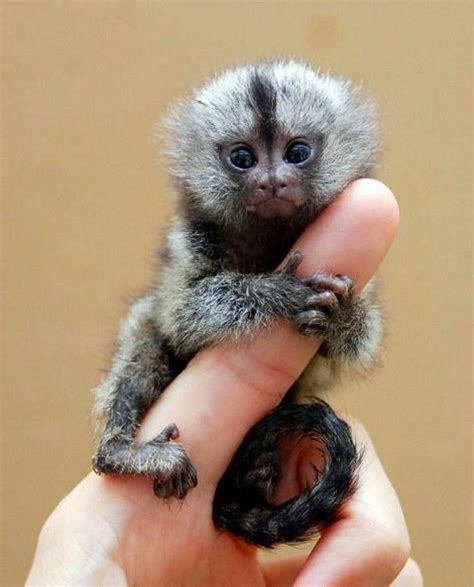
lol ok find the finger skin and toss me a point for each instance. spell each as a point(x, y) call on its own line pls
point(369, 545)
point(283, 573)
point(353, 235)
point(225, 390)
point(410, 576)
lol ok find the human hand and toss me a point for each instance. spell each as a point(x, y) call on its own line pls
point(114, 531)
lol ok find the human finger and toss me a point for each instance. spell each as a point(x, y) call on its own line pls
point(225, 390)
point(283, 573)
point(410, 576)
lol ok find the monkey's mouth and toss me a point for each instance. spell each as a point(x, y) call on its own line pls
point(275, 206)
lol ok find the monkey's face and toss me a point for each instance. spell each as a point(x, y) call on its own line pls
point(270, 141)
point(276, 175)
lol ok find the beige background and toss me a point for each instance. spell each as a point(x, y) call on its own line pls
point(84, 201)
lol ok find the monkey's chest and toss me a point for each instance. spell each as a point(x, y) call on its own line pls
point(253, 257)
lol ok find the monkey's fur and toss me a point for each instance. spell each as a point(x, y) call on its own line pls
point(247, 189)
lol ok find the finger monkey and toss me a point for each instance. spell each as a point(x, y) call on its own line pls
point(258, 153)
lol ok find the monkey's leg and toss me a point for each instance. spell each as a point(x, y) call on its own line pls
point(244, 501)
point(140, 371)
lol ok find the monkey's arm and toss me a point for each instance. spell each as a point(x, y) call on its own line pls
point(202, 303)
point(228, 305)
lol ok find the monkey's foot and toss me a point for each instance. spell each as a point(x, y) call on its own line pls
point(167, 462)
point(330, 306)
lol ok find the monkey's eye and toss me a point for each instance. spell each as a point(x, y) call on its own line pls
point(242, 158)
point(297, 153)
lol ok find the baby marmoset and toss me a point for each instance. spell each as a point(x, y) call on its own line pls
point(258, 153)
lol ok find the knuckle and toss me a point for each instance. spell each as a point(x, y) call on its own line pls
point(52, 526)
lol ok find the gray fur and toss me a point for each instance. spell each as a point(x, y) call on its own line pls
point(308, 103)
point(218, 280)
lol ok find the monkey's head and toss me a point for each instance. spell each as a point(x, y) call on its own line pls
point(269, 142)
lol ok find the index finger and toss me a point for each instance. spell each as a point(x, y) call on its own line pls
point(226, 389)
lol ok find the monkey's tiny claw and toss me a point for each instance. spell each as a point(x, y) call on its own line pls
point(311, 318)
point(294, 261)
point(323, 299)
point(170, 432)
point(341, 285)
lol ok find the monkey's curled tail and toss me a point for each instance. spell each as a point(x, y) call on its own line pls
point(242, 505)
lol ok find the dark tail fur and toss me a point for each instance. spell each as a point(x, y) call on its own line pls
point(241, 504)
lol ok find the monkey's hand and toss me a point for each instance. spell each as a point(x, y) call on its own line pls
point(348, 324)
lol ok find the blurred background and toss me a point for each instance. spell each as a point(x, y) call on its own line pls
point(86, 199)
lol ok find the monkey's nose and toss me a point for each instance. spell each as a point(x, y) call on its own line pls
point(283, 184)
point(265, 186)
point(274, 185)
